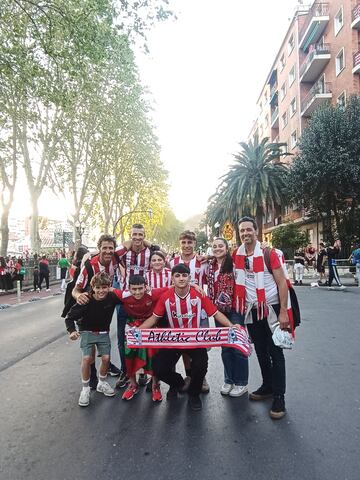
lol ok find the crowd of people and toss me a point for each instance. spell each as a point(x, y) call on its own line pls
point(150, 289)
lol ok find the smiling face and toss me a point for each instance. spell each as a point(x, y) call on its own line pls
point(137, 236)
point(219, 248)
point(101, 291)
point(187, 246)
point(106, 252)
point(157, 263)
point(181, 280)
point(248, 234)
point(137, 291)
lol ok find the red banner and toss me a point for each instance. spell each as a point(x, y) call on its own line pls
point(189, 338)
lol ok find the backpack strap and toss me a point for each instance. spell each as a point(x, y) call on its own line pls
point(267, 251)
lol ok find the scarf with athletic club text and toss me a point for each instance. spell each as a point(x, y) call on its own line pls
point(258, 269)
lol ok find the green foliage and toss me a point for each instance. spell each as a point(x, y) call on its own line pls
point(325, 176)
point(254, 183)
point(289, 238)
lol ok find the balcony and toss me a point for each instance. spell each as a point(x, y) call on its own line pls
point(315, 24)
point(319, 94)
point(356, 62)
point(273, 92)
point(275, 118)
point(315, 62)
point(355, 17)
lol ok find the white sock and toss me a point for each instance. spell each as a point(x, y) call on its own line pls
point(102, 379)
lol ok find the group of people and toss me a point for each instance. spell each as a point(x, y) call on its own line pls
point(12, 269)
point(327, 255)
point(249, 287)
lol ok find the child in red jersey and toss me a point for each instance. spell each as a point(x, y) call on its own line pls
point(139, 305)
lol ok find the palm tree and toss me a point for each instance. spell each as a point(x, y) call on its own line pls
point(256, 181)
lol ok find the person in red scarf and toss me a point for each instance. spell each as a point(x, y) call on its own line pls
point(263, 296)
point(220, 276)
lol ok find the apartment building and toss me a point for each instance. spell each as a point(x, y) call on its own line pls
point(318, 61)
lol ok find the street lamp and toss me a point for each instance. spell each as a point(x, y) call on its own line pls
point(149, 211)
point(80, 228)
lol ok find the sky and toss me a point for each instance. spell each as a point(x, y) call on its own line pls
point(205, 71)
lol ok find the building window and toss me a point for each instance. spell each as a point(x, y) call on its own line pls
point(293, 139)
point(338, 21)
point(283, 91)
point(284, 119)
point(291, 44)
point(293, 107)
point(340, 62)
point(282, 62)
point(341, 100)
point(292, 75)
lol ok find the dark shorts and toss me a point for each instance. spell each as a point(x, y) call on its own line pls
point(90, 339)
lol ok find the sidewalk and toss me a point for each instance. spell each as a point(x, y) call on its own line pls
point(9, 298)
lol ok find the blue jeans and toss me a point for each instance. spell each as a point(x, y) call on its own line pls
point(236, 366)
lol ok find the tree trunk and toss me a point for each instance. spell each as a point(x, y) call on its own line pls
point(35, 241)
point(259, 221)
point(4, 230)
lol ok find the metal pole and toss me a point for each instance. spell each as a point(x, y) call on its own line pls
point(18, 291)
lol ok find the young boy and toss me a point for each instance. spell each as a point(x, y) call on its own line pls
point(138, 305)
point(93, 320)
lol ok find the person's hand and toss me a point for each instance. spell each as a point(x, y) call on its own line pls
point(236, 326)
point(202, 258)
point(83, 299)
point(127, 244)
point(284, 320)
point(74, 335)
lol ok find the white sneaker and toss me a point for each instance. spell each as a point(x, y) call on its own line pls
point(226, 388)
point(104, 387)
point(84, 398)
point(238, 390)
point(48, 289)
point(342, 287)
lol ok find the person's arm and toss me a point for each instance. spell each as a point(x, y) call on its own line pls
point(224, 321)
point(75, 313)
point(280, 280)
point(149, 322)
point(82, 298)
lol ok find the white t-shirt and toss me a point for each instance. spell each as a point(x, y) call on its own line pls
point(271, 291)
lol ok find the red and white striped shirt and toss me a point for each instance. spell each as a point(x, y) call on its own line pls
point(134, 263)
point(197, 269)
point(159, 280)
point(97, 267)
point(184, 312)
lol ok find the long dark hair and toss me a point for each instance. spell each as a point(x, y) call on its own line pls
point(227, 264)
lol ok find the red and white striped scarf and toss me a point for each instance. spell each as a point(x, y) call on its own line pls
point(258, 269)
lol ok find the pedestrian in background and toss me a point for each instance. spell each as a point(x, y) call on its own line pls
point(36, 281)
point(332, 253)
point(299, 259)
point(44, 271)
point(19, 271)
point(355, 260)
point(320, 263)
point(64, 264)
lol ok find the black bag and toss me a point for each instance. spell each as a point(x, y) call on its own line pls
point(293, 297)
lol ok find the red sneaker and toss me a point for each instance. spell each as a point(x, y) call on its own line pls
point(130, 392)
point(156, 394)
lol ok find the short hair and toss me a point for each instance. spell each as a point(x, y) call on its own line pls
point(187, 234)
point(248, 219)
point(180, 268)
point(138, 225)
point(136, 280)
point(106, 238)
point(157, 252)
point(100, 279)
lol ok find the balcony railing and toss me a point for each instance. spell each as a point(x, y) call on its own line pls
point(274, 117)
point(319, 49)
point(355, 16)
point(320, 88)
point(356, 62)
point(317, 18)
point(273, 91)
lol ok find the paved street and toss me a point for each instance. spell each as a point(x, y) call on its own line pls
point(46, 436)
